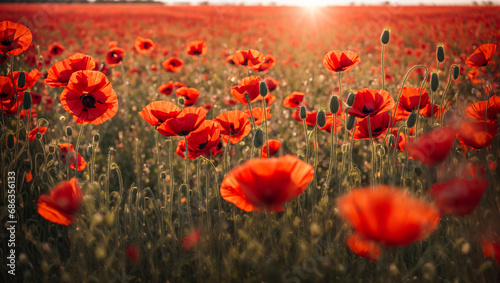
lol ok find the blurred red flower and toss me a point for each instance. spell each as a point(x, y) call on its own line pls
point(294, 99)
point(173, 64)
point(459, 196)
point(62, 203)
point(144, 45)
point(114, 56)
point(476, 110)
point(274, 146)
point(271, 83)
point(196, 48)
point(192, 240)
point(203, 139)
point(190, 95)
point(477, 134)
point(250, 58)
point(133, 253)
point(481, 56)
point(363, 247)
point(258, 114)
point(491, 249)
point(14, 38)
point(67, 148)
point(31, 79)
point(167, 88)
point(433, 147)
point(56, 49)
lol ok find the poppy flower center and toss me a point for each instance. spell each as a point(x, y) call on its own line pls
point(232, 128)
point(147, 45)
point(183, 133)
point(88, 100)
point(6, 42)
point(367, 110)
point(378, 130)
point(202, 145)
point(4, 95)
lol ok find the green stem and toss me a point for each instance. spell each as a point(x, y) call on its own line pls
point(333, 150)
point(340, 85)
point(307, 141)
point(77, 147)
point(265, 125)
point(373, 152)
point(226, 163)
point(446, 91)
point(383, 71)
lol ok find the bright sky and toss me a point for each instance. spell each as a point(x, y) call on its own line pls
point(330, 2)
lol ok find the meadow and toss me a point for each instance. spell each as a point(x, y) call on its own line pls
point(374, 161)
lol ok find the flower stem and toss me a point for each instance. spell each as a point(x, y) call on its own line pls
point(265, 126)
point(373, 152)
point(307, 141)
point(77, 147)
point(383, 71)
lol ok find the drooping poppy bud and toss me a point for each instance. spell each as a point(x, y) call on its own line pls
point(263, 89)
point(434, 81)
point(350, 122)
point(440, 53)
point(412, 119)
point(351, 98)
point(456, 72)
point(321, 118)
point(258, 140)
point(303, 112)
point(385, 37)
point(27, 100)
point(334, 104)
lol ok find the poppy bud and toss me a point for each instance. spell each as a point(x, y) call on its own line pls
point(89, 150)
point(163, 175)
point(69, 131)
point(258, 140)
point(440, 53)
point(38, 136)
point(350, 122)
point(303, 112)
point(390, 140)
point(321, 118)
point(350, 99)
point(247, 97)
point(10, 141)
point(21, 81)
point(52, 149)
point(97, 137)
point(434, 81)
point(412, 119)
point(263, 89)
point(301, 157)
point(334, 104)
point(26, 100)
point(181, 100)
point(456, 72)
point(386, 35)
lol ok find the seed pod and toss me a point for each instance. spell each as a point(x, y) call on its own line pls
point(334, 104)
point(21, 81)
point(10, 141)
point(163, 175)
point(385, 37)
point(263, 89)
point(303, 112)
point(350, 122)
point(89, 150)
point(412, 119)
point(434, 81)
point(258, 140)
point(38, 136)
point(321, 118)
point(456, 72)
point(97, 137)
point(390, 140)
point(440, 53)
point(351, 98)
point(26, 100)
point(69, 131)
point(181, 100)
point(247, 97)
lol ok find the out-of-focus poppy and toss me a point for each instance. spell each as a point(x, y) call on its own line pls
point(311, 118)
point(459, 196)
point(173, 64)
point(133, 253)
point(188, 120)
point(229, 59)
point(67, 148)
point(196, 48)
point(60, 73)
point(271, 83)
point(89, 97)
point(190, 241)
point(477, 134)
point(179, 84)
point(410, 98)
point(158, 112)
point(167, 88)
point(294, 99)
point(31, 79)
point(190, 95)
point(14, 38)
point(329, 123)
point(248, 85)
point(250, 58)
point(473, 76)
point(62, 203)
point(56, 49)
point(112, 44)
point(274, 146)
point(265, 184)
point(28, 113)
point(115, 56)
point(379, 124)
point(7, 91)
point(270, 98)
point(32, 133)
point(144, 45)
point(388, 215)
point(476, 110)
point(268, 63)
point(433, 147)
point(481, 56)
point(234, 123)
point(491, 249)
point(203, 139)
point(338, 61)
point(370, 102)
point(258, 114)
point(363, 247)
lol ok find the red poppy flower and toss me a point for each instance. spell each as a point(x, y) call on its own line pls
point(66, 148)
point(229, 101)
point(431, 109)
point(32, 133)
point(268, 63)
point(388, 215)
point(433, 147)
point(473, 76)
point(31, 79)
point(477, 134)
point(459, 196)
point(115, 56)
point(229, 59)
point(181, 150)
point(28, 113)
point(248, 85)
point(363, 247)
point(379, 125)
point(274, 146)
point(179, 84)
point(491, 249)
point(271, 83)
point(294, 99)
point(410, 98)
point(235, 123)
point(89, 97)
point(258, 114)
point(7, 92)
point(188, 120)
point(203, 139)
point(173, 64)
point(60, 73)
point(190, 241)
point(482, 56)
point(265, 184)
point(56, 49)
point(144, 45)
point(338, 61)
point(196, 48)
point(476, 110)
point(190, 95)
point(158, 112)
point(311, 118)
point(270, 98)
point(370, 102)
point(62, 203)
point(250, 58)
point(167, 88)
point(112, 44)
point(14, 38)
point(133, 253)
point(329, 123)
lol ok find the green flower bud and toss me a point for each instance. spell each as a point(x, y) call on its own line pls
point(321, 118)
point(21, 81)
point(456, 72)
point(350, 122)
point(412, 119)
point(258, 139)
point(163, 175)
point(10, 141)
point(351, 98)
point(303, 112)
point(247, 97)
point(38, 136)
point(181, 100)
point(26, 100)
point(334, 104)
point(434, 81)
point(440, 53)
point(385, 37)
point(263, 89)
point(69, 131)
point(97, 137)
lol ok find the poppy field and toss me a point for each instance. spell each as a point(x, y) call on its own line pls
point(154, 143)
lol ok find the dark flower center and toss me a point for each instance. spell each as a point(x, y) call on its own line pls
point(378, 130)
point(4, 95)
point(88, 100)
point(183, 133)
point(147, 45)
point(232, 128)
point(366, 110)
point(6, 42)
point(202, 145)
